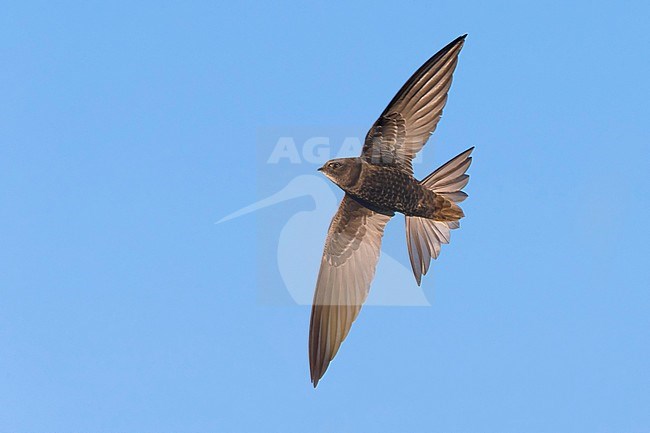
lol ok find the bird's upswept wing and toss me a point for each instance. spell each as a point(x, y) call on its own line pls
point(413, 114)
point(347, 268)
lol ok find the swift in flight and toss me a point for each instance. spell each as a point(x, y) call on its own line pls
point(377, 184)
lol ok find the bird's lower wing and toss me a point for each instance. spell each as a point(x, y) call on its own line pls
point(347, 269)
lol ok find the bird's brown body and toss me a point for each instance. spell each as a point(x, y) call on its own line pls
point(388, 189)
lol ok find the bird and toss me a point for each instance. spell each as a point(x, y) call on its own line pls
point(378, 184)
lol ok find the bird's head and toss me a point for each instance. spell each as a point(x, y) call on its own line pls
point(342, 171)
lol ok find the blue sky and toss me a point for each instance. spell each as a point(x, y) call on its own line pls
point(127, 130)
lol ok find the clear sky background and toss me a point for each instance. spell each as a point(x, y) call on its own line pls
point(127, 129)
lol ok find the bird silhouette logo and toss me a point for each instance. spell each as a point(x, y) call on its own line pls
point(298, 257)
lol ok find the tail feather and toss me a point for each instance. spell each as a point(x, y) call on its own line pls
point(425, 236)
point(449, 171)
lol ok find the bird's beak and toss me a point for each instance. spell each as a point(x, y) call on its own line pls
point(320, 169)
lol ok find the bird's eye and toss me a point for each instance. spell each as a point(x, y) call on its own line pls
point(335, 165)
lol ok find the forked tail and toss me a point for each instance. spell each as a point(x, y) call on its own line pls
point(424, 236)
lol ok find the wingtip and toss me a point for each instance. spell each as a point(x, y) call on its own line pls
point(314, 381)
point(460, 39)
point(456, 44)
point(315, 377)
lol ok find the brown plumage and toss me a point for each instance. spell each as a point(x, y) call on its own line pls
point(377, 184)
point(389, 189)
